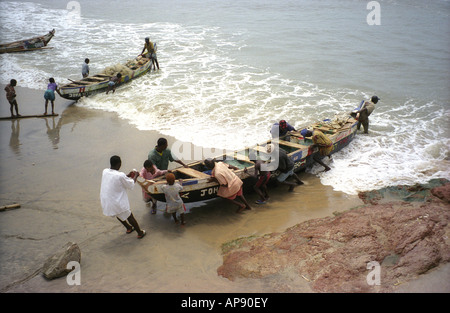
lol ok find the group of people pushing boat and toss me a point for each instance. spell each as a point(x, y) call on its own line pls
point(115, 184)
point(230, 185)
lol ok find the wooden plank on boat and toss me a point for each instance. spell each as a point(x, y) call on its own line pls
point(261, 149)
point(240, 157)
point(292, 144)
point(296, 134)
point(27, 116)
point(324, 129)
point(78, 84)
point(95, 79)
point(192, 172)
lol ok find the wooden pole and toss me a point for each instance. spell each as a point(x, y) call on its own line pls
point(27, 116)
point(11, 206)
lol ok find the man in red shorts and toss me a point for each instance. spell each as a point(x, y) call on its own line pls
point(230, 184)
point(261, 183)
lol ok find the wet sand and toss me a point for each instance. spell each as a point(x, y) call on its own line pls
point(52, 167)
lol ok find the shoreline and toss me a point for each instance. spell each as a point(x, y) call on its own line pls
point(52, 168)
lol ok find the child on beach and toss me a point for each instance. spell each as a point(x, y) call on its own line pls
point(150, 171)
point(113, 81)
point(50, 95)
point(174, 203)
point(11, 97)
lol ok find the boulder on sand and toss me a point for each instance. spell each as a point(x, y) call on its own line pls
point(56, 265)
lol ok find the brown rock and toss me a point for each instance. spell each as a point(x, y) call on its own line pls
point(406, 237)
point(442, 192)
point(56, 265)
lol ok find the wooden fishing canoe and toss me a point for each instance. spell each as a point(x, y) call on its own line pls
point(36, 43)
point(99, 83)
point(195, 178)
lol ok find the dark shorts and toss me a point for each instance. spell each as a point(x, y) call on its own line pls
point(283, 176)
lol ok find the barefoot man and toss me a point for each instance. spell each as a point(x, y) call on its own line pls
point(114, 198)
point(230, 184)
point(321, 141)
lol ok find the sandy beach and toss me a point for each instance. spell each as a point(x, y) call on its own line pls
point(52, 167)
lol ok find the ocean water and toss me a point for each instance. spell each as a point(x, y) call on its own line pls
point(229, 69)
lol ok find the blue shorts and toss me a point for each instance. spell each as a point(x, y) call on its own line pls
point(283, 176)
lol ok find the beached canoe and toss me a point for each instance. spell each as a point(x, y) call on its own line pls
point(36, 43)
point(195, 178)
point(99, 82)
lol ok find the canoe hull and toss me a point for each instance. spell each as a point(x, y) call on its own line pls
point(199, 189)
point(97, 83)
point(32, 44)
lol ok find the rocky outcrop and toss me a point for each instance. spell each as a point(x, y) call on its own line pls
point(56, 265)
point(416, 193)
point(406, 237)
point(442, 192)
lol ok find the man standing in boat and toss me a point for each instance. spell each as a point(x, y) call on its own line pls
point(151, 52)
point(85, 68)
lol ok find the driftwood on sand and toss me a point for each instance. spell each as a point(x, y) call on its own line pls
point(10, 206)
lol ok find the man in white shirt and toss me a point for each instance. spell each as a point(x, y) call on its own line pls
point(114, 198)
